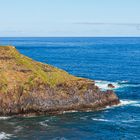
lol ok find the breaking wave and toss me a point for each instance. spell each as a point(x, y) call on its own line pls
point(103, 85)
point(125, 102)
point(44, 123)
point(128, 102)
point(4, 118)
point(5, 136)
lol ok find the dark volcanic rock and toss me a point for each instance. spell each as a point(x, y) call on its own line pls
point(111, 86)
point(28, 87)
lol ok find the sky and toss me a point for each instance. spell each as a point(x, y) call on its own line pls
point(64, 18)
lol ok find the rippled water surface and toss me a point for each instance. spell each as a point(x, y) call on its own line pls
point(106, 60)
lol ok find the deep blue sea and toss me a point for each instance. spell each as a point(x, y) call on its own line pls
point(106, 60)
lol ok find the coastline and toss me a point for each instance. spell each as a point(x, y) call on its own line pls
point(44, 89)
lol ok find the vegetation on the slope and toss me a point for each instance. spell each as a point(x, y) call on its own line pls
point(17, 69)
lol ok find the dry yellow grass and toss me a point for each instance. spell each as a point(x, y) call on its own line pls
point(17, 69)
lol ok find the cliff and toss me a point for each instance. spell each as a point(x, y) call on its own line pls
point(28, 87)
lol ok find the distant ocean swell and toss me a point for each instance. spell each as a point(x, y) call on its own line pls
point(109, 61)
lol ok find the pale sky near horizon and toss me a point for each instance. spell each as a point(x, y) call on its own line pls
point(69, 18)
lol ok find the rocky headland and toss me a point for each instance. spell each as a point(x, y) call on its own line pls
point(29, 88)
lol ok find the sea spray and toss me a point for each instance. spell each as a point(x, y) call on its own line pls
point(103, 85)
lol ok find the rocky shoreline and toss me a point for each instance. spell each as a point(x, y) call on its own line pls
point(29, 88)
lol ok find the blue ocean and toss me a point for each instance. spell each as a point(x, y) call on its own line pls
point(105, 60)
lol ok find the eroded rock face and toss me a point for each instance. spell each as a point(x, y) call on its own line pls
point(32, 88)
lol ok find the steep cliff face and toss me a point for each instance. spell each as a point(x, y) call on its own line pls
point(28, 87)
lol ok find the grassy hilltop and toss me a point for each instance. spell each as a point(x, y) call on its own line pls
point(16, 69)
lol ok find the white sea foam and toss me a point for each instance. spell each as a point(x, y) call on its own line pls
point(4, 118)
point(128, 102)
point(124, 103)
point(103, 85)
point(123, 82)
point(44, 123)
point(4, 136)
point(70, 111)
point(101, 120)
point(107, 120)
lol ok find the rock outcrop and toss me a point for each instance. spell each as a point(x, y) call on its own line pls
point(28, 87)
point(111, 86)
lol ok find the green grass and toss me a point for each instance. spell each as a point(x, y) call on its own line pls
point(53, 77)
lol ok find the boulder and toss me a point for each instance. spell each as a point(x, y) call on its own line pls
point(111, 86)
